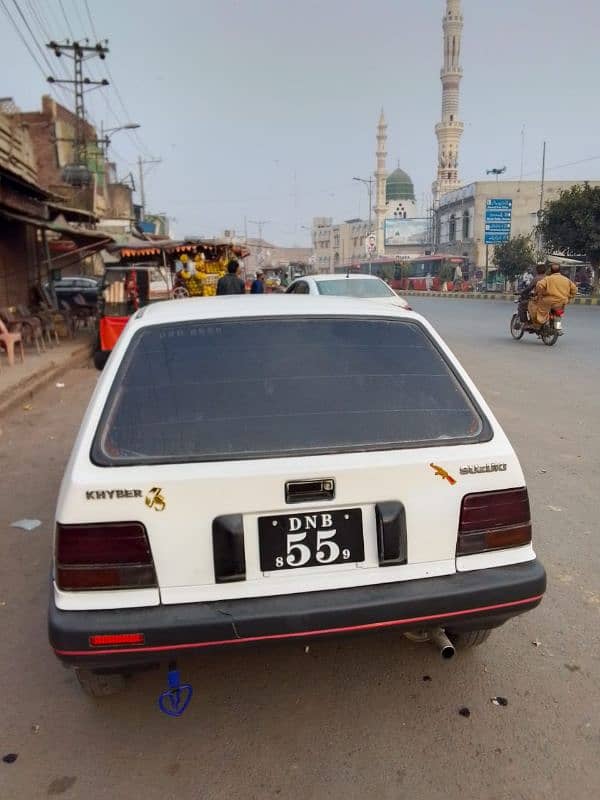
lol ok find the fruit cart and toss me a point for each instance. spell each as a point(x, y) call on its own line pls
point(144, 272)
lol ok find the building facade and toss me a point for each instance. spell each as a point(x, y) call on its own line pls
point(337, 245)
point(460, 216)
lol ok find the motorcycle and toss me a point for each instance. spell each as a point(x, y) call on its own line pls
point(584, 289)
point(548, 332)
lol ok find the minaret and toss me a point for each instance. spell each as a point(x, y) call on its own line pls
point(449, 130)
point(380, 178)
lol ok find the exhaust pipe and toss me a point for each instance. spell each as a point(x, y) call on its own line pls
point(438, 638)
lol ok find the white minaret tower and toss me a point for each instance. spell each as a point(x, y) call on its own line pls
point(449, 130)
point(380, 179)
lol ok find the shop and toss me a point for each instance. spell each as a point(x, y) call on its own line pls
point(142, 272)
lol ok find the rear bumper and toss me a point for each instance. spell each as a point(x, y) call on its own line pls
point(468, 600)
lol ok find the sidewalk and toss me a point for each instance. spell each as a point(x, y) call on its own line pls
point(578, 301)
point(20, 382)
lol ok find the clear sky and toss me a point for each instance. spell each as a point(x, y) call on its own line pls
point(268, 108)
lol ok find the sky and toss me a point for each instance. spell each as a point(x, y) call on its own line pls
point(266, 109)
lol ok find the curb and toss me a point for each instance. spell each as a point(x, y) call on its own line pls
point(578, 301)
point(34, 383)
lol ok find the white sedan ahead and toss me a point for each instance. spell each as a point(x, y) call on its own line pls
point(368, 286)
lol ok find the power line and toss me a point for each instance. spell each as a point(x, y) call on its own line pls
point(37, 17)
point(562, 166)
point(134, 136)
point(23, 39)
point(64, 13)
point(35, 41)
point(33, 36)
point(89, 15)
point(78, 12)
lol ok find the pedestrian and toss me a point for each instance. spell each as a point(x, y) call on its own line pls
point(258, 284)
point(231, 283)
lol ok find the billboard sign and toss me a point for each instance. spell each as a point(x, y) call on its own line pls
point(406, 231)
point(499, 202)
point(498, 219)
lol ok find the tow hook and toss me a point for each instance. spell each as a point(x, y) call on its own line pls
point(174, 700)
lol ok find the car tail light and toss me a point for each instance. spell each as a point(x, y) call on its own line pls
point(494, 520)
point(113, 555)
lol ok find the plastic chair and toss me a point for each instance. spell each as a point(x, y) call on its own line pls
point(48, 330)
point(30, 328)
point(8, 341)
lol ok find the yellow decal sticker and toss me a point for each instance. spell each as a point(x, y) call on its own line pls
point(155, 499)
point(441, 472)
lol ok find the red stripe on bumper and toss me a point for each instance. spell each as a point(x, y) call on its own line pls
point(296, 634)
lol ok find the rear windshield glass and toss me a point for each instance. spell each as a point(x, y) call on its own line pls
point(355, 287)
point(257, 388)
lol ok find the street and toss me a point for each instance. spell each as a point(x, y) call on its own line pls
point(369, 716)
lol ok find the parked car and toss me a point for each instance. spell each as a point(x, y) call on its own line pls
point(68, 288)
point(253, 469)
point(367, 286)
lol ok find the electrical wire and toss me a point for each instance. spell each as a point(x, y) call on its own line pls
point(64, 13)
point(78, 12)
point(27, 45)
point(134, 136)
point(89, 16)
point(33, 36)
point(562, 166)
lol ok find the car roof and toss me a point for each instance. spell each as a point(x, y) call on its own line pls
point(328, 276)
point(267, 305)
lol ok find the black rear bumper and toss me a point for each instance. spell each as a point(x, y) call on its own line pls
point(463, 601)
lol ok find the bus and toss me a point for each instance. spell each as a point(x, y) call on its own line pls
point(424, 272)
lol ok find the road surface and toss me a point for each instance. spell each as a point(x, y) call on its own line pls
point(374, 716)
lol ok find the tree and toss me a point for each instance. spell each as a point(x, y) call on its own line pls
point(513, 257)
point(571, 224)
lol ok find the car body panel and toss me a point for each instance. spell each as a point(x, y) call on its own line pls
point(196, 493)
point(312, 283)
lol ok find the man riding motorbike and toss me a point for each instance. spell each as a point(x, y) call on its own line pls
point(552, 291)
point(526, 293)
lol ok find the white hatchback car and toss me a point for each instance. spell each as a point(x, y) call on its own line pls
point(369, 287)
point(257, 468)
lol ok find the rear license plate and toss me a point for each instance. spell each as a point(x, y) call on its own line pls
point(311, 540)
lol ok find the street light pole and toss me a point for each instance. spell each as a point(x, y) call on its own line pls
point(105, 138)
point(369, 184)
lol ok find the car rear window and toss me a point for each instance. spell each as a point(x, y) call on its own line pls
point(355, 287)
point(259, 388)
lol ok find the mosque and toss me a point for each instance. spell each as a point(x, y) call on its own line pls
point(397, 229)
point(395, 195)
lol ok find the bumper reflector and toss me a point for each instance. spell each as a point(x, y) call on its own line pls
point(116, 639)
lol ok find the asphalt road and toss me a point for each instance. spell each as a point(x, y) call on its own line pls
point(350, 718)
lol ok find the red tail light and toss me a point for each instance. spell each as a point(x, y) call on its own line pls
point(113, 555)
point(558, 312)
point(494, 520)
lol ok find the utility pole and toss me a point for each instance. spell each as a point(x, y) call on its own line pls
point(541, 208)
point(368, 182)
point(141, 162)
point(79, 53)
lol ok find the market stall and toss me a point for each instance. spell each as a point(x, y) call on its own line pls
point(141, 272)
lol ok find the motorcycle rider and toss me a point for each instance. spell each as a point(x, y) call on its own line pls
point(552, 291)
point(524, 297)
